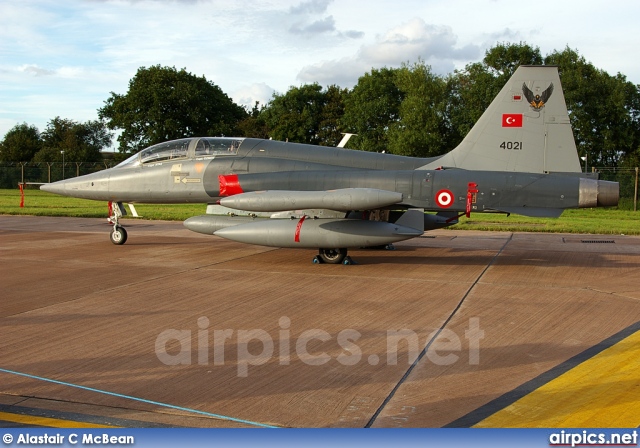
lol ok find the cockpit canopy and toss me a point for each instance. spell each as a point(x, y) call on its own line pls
point(185, 148)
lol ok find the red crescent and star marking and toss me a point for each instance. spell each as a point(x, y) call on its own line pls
point(512, 120)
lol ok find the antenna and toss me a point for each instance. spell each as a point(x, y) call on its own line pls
point(345, 139)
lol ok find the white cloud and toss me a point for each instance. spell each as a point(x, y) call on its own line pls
point(353, 34)
point(36, 71)
point(309, 22)
point(414, 39)
point(248, 95)
point(64, 58)
point(408, 42)
point(328, 24)
point(310, 7)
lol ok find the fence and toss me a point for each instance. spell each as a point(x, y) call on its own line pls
point(628, 180)
point(11, 174)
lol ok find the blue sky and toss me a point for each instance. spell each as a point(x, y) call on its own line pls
point(63, 58)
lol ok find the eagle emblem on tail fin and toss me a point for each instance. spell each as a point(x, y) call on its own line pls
point(537, 102)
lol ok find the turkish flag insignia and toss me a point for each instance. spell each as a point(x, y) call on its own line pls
point(511, 120)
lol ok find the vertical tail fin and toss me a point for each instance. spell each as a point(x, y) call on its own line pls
point(525, 129)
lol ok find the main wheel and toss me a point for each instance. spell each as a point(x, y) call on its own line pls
point(118, 235)
point(332, 256)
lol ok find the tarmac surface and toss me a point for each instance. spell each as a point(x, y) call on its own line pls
point(455, 328)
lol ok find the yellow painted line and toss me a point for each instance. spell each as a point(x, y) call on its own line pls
point(48, 422)
point(602, 392)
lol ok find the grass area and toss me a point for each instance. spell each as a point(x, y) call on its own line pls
point(587, 220)
point(614, 221)
point(41, 203)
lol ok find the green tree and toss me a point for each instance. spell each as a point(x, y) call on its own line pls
point(604, 109)
point(254, 125)
point(422, 128)
point(329, 128)
point(306, 114)
point(81, 142)
point(295, 116)
point(372, 106)
point(164, 103)
point(471, 90)
point(505, 58)
point(20, 143)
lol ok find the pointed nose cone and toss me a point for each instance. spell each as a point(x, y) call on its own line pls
point(54, 187)
point(90, 186)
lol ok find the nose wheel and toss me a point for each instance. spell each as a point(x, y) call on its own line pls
point(118, 233)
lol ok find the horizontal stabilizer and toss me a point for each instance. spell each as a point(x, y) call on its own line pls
point(343, 200)
point(532, 211)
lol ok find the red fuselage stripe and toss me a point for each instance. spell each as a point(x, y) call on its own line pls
point(298, 228)
point(229, 185)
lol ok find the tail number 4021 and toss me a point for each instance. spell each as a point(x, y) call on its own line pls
point(515, 146)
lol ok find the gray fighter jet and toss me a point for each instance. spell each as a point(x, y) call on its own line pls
point(520, 157)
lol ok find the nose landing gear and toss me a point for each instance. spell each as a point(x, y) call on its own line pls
point(118, 233)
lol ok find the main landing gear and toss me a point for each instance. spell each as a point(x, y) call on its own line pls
point(339, 256)
point(332, 256)
point(118, 233)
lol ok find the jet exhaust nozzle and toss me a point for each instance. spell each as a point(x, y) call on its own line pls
point(598, 193)
point(608, 193)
